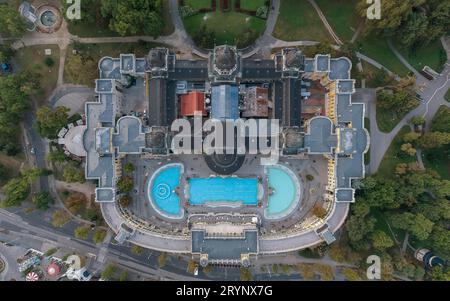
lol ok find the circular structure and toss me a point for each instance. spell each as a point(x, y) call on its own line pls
point(53, 269)
point(49, 19)
point(224, 164)
point(285, 192)
point(73, 141)
point(32, 276)
point(2, 265)
point(161, 191)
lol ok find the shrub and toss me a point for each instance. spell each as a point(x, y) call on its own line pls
point(187, 11)
point(49, 62)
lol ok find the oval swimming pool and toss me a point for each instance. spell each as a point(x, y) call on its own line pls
point(162, 193)
point(284, 192)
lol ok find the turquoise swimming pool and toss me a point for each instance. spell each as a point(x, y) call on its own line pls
point(162, 190)
point(233, 190)
point(285, 191)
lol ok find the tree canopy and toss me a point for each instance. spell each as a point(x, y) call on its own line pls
point(131, 17)
point(50, 121)
point(11, 23)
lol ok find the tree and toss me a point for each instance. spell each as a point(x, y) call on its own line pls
point(441, 121)
point(14, 92)
point(82, 232)
point(417, 224)
point(50, 121)
point(108, 272)
point(60, 218)
point(129, 167)
point(11, 23)
point(245, 274)
point(123, 276)
point(411, 137)
point(75, 202)
point(358, 229)
point(99, 236)
point(125, 200)
point(138, 250)
point(72, 174)
point(400, 101)
point(319, 211)
point(162, 260)
point(351, 274)
point(125, 184)
point(408, 149)
point(204, 37)
point(43, 200)
point(440, 273)
point(381, 241)
point(5, 53)
point(417, 120)
point(440, 241)
point(414, 30)
point(17, 189)
point(432, 140)
point(401, 169)
point(57, 156)
point(131, 17)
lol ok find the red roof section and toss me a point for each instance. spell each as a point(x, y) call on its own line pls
point(191, 102)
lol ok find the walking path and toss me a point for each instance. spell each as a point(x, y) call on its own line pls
point(325, 22)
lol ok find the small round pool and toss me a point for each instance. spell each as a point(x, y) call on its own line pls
point(48, 18)
point(284, 192)
point(161, 190)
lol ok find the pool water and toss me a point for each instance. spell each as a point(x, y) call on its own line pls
point(283, 191)
point(162, 190)
point(48, 18)
point(209, 190)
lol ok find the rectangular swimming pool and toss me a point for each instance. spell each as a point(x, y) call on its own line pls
point(214, 190)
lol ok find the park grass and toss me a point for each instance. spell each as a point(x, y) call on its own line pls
point(439, 159)
point(226, 25)
point(197, 4)
point(89, 72)
point(394, 155)
point(382, 225)
point(447, 95)
point(387, 119)
point(367, 155)
point(342, 16)
point(299, 21)
point(32, 58)
point(377, 48)
point(252, 4)
point(432, 55)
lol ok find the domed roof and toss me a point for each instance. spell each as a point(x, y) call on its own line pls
point(225, 57)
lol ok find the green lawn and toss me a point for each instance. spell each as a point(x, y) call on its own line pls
point(252, 4)
point(382, 225)
point(32, 58)
point(87, 73)
point(394, 155)
point(377, 48)
point(342, 16)
point(432, 55)
point(447, 95)
point(198, 4)
point(367, 155)
point(299, 21)
point(226, 26)
point(439, 159)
